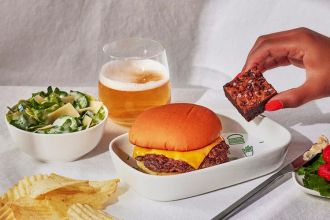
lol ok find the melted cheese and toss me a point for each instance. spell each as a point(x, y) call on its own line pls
point(194, 158)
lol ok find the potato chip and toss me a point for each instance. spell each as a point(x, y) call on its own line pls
point(98, 198)
point(26, 208)
point(81, 187)
point(2, 202)
point(52, 183)
point(85, 212)
point(6, 213)
point(22, 188)
point(52, 196)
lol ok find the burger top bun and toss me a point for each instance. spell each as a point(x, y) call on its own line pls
point(175, 127)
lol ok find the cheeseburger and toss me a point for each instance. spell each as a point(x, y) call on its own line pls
point(177, 138)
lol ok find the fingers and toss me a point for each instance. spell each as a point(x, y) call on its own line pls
point(269, 54)
point(276, 35)
point(273, 50)
point(292, 98)
point(300, 47)
point(261, 40)
point(272, 62)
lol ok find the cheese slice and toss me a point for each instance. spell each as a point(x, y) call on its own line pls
point(94, 106)
point(194, 158)
point(316, 148)
point(87, 121)
point(67, 110)
point(45, 127)
point(39, 99)
point(68, 99)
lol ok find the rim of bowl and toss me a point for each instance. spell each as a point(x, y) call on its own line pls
point(63, 134)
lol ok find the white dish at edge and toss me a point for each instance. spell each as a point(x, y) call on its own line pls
point(269, 139)
point(298, 180)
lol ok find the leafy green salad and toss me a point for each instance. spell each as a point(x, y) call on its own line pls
point(311, 178)
point(55, 112)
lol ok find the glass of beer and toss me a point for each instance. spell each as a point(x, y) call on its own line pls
point(135, 78)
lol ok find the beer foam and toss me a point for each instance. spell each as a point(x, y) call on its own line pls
point(120, 75)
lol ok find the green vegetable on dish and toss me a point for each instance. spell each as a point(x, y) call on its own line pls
point(56, 112)
point(312, 180)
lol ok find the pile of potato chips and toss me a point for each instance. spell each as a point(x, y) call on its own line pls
point(42, 197)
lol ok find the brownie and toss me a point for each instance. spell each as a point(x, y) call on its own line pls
point(249, 93)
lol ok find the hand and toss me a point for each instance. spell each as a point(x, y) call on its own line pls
point(303, 48)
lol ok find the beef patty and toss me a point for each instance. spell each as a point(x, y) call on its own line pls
point(162, 164)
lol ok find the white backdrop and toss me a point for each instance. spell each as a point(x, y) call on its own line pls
point(45, 42)
point(228, 29)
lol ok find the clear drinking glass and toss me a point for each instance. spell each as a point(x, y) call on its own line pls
point(135, 78)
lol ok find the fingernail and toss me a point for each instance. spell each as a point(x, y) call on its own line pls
point(274, 105)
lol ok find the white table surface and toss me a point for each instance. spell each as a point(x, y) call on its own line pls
point(285, 202)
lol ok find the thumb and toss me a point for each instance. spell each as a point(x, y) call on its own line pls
point(291, 98)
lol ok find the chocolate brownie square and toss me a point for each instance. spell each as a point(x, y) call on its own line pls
point(249, 93)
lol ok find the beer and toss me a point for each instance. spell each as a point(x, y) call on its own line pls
point(128, 87)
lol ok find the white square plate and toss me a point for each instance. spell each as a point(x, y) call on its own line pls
point(268, 139)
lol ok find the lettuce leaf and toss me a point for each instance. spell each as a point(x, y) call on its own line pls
point(312, 180)
point(313, 167)
point(32, 114)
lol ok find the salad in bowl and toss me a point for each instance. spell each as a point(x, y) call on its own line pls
point(55, 125)
point(314, 177)
point(56, 112)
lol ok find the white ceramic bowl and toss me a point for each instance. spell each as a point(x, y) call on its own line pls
point(298, 180)
point(58, 147)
